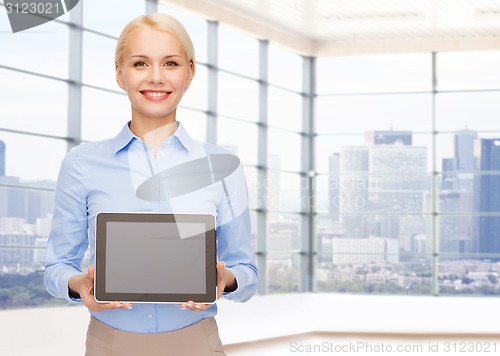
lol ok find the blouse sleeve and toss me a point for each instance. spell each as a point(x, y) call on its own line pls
point(68, 239)
point(233, 236)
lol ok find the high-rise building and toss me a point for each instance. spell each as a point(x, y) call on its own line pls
point(455, 231)
point(455, 197)
point(334, 185)
point(388, 138)
point(463, 149)
point(487, 195)
point(449, 179)
point(353, 190)
point(2, 158)
point(386, 177)
point(397, 177)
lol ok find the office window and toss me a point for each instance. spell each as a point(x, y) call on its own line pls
point(456, 221)
point(343, 114)
point(38, 107)
point(364, 269)
point(459, 276)
point(327, 194)
point(195, 122)
point(425, 184)
point(285, 68)
point(284, 109)
point(473, 110)
point(285, 149)
point(253, 229)
point(196, 95)
point(283, 274)
point(405, 175)
point(33, 114)
point(238, 52)
point(373, 153)
point(254, 199)
point(374, 74)
point(328, 147)
point(98, 61)
point(283, 192)
point(195, 26)
point(237, 97)
point(103, 114)
point(468, 154)
point(43, 51)
point(230, 135)
point(97, 14)
point(468, 70)
point(31, 158)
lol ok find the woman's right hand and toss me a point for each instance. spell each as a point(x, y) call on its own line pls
point(83, 284)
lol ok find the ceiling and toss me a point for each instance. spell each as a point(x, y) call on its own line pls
point(343, 27)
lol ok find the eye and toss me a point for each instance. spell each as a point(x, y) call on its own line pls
point(171, 64)
point(140, 64)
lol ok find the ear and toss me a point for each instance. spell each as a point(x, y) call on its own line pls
point(119, 76)
point(190, 75)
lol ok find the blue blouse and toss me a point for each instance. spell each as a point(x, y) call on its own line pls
point(104, 176)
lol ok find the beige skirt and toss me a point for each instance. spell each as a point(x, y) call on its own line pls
point(199, 339)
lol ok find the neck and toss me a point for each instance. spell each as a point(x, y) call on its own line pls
point(153, 133)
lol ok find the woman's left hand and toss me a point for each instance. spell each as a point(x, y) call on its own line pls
point(225, 282)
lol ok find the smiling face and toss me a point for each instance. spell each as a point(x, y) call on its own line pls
point(155, 73)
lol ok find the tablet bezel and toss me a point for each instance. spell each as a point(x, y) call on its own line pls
point(100, 293)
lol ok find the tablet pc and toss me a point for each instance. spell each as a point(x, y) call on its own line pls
point(155, 258)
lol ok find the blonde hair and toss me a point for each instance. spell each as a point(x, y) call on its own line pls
point(162, 22)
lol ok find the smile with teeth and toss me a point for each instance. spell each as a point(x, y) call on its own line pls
point(155, 94)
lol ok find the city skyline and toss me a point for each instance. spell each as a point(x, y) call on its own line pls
point(371, 178)
point(379, 203)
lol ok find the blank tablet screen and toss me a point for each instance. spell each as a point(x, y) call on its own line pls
point(155, 257)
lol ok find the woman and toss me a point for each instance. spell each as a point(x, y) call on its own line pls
point(154, 65)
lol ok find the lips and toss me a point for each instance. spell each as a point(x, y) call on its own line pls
point(155, 94)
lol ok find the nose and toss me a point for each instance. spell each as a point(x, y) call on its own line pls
point(156, 76)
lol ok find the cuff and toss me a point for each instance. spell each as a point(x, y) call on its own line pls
point(64, 286)
point(245, 289)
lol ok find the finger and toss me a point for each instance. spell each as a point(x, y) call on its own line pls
point(220, 276)
point(116, 305)
point(200, 307)
point(90, 273)
point(122, 305)
point(90, 289)
point(220, 271)
point(220, 266)
point(98, 307)
point(190, 305)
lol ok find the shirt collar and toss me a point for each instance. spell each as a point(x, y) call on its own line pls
point(183, 137)
point(125, 136)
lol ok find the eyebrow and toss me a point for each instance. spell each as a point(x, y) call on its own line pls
point(166, 57)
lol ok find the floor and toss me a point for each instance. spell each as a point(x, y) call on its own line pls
point(370, 344)
point(296, 324)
